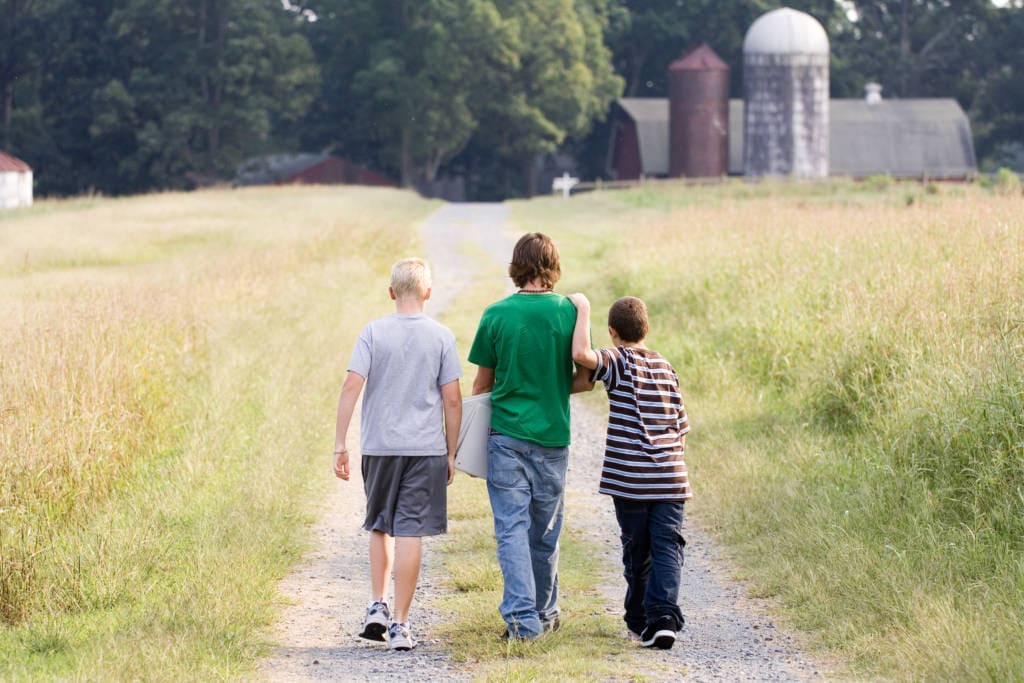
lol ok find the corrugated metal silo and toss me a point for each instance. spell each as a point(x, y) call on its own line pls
point(698, 114)
point(785, 84)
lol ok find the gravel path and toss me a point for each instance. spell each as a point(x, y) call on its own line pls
point(728, 637)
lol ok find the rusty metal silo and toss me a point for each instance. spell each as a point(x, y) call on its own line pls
point(786, 98)
point(698, 114)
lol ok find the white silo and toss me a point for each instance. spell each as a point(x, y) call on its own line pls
point(785, 84)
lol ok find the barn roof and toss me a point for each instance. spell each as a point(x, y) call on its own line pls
point(274, 168)
point(904, 137)
point(9, 164)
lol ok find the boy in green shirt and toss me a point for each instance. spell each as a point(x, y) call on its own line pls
point(523, 350)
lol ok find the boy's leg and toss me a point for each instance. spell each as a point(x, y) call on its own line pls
point(667, 543)
point(408, 555)
point(546, 470)
point(509, 491)
point(636, 559)
point(382, 553)
point(420, 510)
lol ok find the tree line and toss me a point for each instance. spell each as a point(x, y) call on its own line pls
point(139, 95)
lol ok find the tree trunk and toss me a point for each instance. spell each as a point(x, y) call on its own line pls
point(408, 172)
point(905, 54)
point(529, 176)
point(5, 113)
point(636, 65)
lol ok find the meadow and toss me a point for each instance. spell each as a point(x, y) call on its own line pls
point(851, 356)
point(165, 367)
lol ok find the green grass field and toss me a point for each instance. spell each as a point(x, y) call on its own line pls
point(853, 362)
point(851, 355)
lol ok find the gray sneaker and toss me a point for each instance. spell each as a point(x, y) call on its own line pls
point(400, 637)
point(376, 624)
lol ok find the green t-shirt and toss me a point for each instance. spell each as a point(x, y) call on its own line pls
point(527, 339)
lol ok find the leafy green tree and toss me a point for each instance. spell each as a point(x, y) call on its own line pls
point(563, 83)
point(997, 112)
point(406, 78)
point(208, 81)
point(920, 48)
point(23, 49)
point(143, 94)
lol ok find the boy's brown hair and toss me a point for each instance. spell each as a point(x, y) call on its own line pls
point(628, 317)
point(535, 257)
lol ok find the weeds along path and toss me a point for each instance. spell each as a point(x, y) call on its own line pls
point(727, 635)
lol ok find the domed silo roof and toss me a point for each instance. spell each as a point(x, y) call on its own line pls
point(786, 31)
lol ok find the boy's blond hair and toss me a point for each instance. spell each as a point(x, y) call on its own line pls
point(410, 278)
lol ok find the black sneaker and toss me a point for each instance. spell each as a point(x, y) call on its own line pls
point(552, 625)
point(659, 633)
point(508, 634)
point(376, 625)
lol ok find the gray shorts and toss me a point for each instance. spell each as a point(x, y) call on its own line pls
point(406, 495)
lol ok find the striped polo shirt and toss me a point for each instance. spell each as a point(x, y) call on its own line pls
point(643, 457)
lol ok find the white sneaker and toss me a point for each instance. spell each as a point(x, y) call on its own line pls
point(400, 637)
point(376, 624)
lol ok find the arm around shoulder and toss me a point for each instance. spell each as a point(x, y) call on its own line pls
point(582, 353)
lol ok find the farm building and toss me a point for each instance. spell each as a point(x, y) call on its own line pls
point(911, 138)
point(785, 125)
point(15, 182)
point(311, 169)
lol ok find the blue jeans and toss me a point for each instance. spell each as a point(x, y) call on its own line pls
point(652, 555)
point(526, 485)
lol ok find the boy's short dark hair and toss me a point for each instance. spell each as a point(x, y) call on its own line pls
point(628, 317)
point(535, 256)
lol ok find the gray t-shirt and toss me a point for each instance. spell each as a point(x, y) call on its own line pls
point(405, 360)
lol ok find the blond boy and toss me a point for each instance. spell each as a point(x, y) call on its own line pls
point(409, 425)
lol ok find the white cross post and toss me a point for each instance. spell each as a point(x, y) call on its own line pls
point(565, 184)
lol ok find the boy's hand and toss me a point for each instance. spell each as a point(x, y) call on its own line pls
point(580, 301)
point(341, 464)
point(451, 469)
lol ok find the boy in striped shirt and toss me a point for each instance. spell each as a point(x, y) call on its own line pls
point(643, 468)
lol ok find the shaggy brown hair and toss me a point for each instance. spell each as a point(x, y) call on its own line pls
point(628, 317)
point(535, 257)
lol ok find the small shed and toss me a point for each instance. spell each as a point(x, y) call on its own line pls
point(307, 168)
point(15, 182)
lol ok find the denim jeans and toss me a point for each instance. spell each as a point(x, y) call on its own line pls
point(526, 485)
point(652, 555)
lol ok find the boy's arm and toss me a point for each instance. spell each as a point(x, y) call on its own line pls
point(451, 400)
point(346, 406)
point(582, 353)
point(484, 380)
point(581, 380)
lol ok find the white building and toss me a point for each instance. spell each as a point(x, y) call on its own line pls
point(15, 182)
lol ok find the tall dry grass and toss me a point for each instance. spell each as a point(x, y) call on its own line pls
point(166, 366)
point(853, 362)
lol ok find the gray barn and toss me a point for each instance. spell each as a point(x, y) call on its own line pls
point(907, 138)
